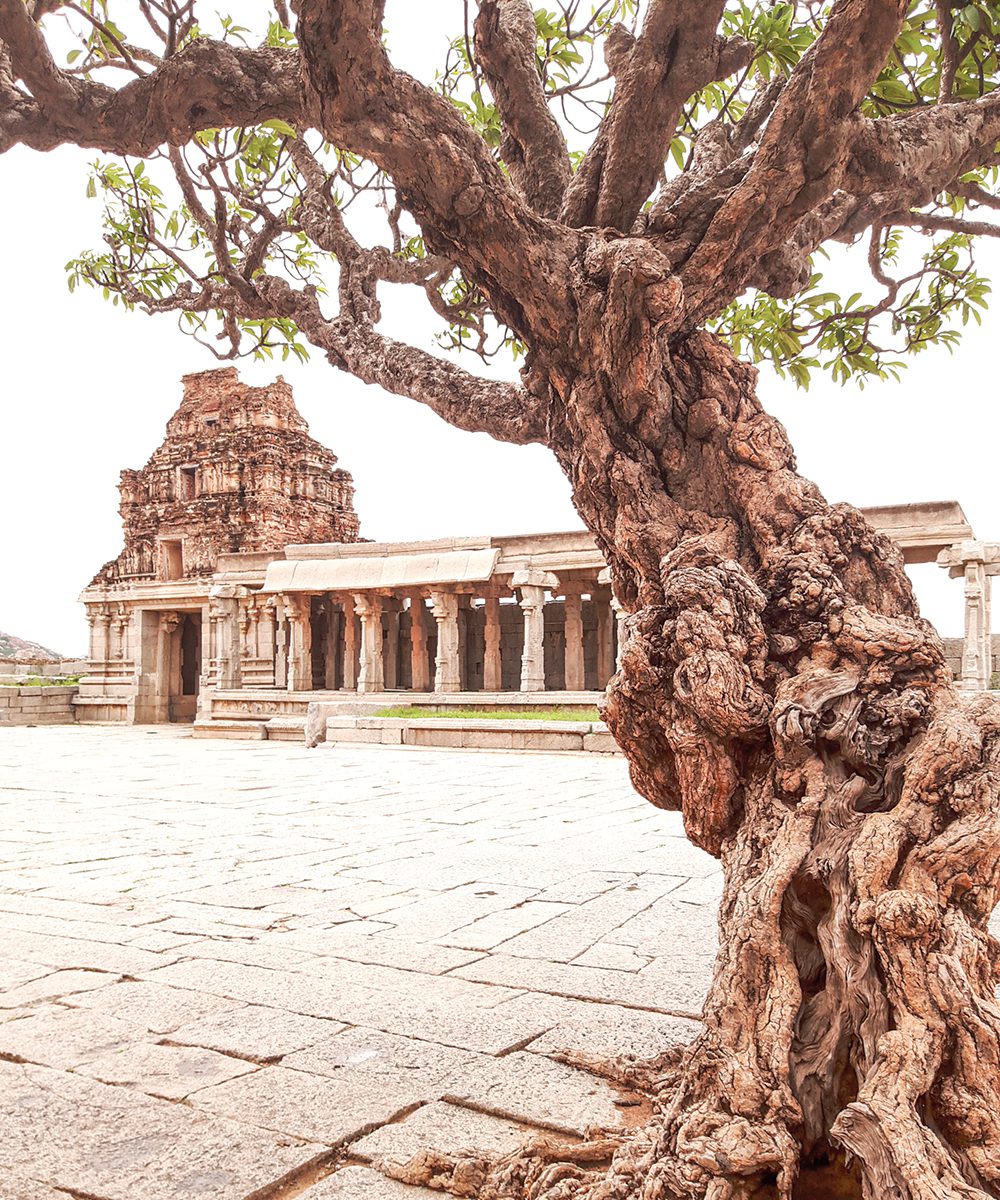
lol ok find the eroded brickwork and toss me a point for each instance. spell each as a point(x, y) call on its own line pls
point(237, 471)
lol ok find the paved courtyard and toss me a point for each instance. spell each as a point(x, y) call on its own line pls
point(247, 971)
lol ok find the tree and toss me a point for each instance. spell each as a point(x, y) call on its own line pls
point(629, 232)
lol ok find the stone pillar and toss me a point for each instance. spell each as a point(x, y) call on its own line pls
point(224, 615)
point(621, 616)
point(975, 562)
point(99, 617)
point(448, 664)
point(976, 653)
point(350, 677)
point(371, 677)
point(118, 632)
point(532, 584)
point(574, 642)
point(334, 617)
point(247, 619)
point(167, 663)
point(605, 641)
point(533, 656)
point(492, 661)
point(280, 642)
point(299, 613)
point(390, 609)
point(266, 644)
point(420, 671)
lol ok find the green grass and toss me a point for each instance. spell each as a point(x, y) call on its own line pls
point(43, 681)
point(494, 714)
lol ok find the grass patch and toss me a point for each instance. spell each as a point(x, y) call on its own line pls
point(494, 714)
point(42, 681)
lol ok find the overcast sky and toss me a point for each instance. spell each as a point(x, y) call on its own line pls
point(86, 390)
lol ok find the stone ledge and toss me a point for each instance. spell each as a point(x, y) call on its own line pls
point(281, 729)
point(244, 731)
point(473, 734)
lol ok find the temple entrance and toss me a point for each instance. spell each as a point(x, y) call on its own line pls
point(187, 674)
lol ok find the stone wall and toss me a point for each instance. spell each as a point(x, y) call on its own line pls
point(953, 648)
point(19, 668)
point(37, 705)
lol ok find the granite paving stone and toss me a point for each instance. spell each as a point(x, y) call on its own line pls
point(359, 1183)
point(269, 952)
point(170, 1072)
point(255, 1032)
point(96, 1140)
point(55, 984)
point(65, 1037)
point(531, 1088)
point(316, 1108)
point(440, 1126)
point(374, 1053)
point(152, 1006)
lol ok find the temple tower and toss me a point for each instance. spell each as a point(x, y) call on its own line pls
point(237, 471)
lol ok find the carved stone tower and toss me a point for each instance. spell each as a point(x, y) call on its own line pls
point(237, 471)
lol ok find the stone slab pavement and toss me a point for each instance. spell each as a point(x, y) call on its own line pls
point(233, 970)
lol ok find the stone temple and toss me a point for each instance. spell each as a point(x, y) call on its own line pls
point(236, 473)
point(243, 593)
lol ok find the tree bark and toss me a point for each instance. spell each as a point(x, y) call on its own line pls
point(780, 689)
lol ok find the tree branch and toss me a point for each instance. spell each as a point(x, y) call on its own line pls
point(677, 53)
point(896, 164)
point(534, 147)
point(803, 152)
point(503, 410)
point(206, 85)
point(468, 209)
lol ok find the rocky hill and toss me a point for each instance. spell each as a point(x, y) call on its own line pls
point(15, 647)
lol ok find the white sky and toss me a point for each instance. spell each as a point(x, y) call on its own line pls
point(85, 390)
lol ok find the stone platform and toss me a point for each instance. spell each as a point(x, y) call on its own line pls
point(268, 714)
point(235, 969)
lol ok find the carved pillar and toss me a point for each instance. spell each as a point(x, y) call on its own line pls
point(247, 622)
point(334, 617)
point(371, 677)
point(621, 629)
point(280, 642)
point(266, 645)
point(975, 562)
point(532, 585)
point(167, 664)
point(420, 670)
point(99, 616)
point(448, 664)
point(533, 656)
point(976, 657)
point(224, 614)
point(299, 609)
point(605, 640)
point(118, 632)
point(573, 631)
point(350, 677)
point(390, 610)
point(492, 662)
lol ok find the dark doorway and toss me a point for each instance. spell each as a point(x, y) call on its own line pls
point(190, 654)
point(186, 673)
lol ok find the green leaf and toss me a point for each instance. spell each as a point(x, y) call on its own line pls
point(280, 126)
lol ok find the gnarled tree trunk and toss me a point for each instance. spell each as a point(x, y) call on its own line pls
point(780, 689)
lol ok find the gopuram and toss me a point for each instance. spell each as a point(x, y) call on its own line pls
point(243, 588)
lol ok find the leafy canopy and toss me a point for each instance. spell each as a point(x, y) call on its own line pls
point(229, 205)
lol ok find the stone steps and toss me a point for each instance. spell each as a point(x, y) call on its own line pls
point(242, 731)
point(286, 729)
